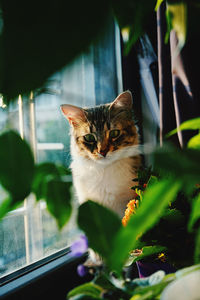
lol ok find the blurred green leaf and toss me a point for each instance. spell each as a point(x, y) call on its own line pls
point(182, 164)
point(100, 225)
point(41, 37)
point(132, 17)
point(88, 289)
point(197, 248)
point(176, 14)
point(148, 251)
point(152, 180)
point(159, 2)
point(16, 169)
point(154, 201)
point(150, 292)
point(192, 124)
point(50, 184)
point(84, 297)
point(103, 281)
point(45, 172)
point(173, 217)
point(5, 206)
point(195, 214)
point(58, 199)
point(194, 142)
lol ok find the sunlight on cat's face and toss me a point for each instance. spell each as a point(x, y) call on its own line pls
point(111, 139)
point(104, 132)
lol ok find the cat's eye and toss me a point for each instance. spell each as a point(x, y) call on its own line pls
point(90, 138)
point(114, 133)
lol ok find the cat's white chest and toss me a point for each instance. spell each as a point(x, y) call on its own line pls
point(108, 185)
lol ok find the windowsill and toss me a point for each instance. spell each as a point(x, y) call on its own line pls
point(53, 275)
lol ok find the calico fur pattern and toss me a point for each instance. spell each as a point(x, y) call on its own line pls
point(103, 169)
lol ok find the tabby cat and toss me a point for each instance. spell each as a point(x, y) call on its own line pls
point(105, 152)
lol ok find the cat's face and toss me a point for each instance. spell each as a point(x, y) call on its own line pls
point(103, 132)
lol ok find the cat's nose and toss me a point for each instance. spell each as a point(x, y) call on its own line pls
point(103, 152)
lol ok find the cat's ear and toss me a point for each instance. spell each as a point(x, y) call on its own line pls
point(123, 100)
point(73, 114)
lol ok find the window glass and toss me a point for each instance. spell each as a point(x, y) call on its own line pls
point(29, 233)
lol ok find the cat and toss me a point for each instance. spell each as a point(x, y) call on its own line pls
point(105, 152)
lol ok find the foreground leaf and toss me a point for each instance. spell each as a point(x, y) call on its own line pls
point(194, 142)
point(192, 124)
point(195, 214)
point(58, 199)
point(45, 172)
point(50, 184)
point(41, 37)
point(177, 20)
point(154, 202)
point(148, 251)
point(87, 289)
point(133, 17)
point(182, 164)
point(16, 169)
point(100, 225)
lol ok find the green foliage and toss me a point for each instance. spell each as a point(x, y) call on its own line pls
point(193, 124)
point(176, 15)
point(100, 225)
point(19, 177)
point(133, 18)
point(58, 199)
point(32, 51)
point(88, 289)
point(52, 184)
point(155, 200)
point(16, 170)
point(182, 164)
point(194, 142)
point(149, 251)
point(195, 214)
point(41, 37)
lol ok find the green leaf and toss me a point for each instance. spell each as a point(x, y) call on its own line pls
point(197, 248)
point(150, 292)
point(152, 180)
point(16, 169)
point(195, 214)
point(58, 199)
point(53, 184)
point(192, 124)
point(43, 174)
point(182, 164)
point(41, 37)
point(132, 17)
point(159, 2)
point(85, 297)
point(194, 142)
point(5, 206)
point(103, 281)
point(154, 201)
point(176, 14)
point(100, 225)
point(150, 250)
point(87, 289)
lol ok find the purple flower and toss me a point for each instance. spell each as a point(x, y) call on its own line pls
point(82, 270)
point(80, 246)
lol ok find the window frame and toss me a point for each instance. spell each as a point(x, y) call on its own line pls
point(58, 269)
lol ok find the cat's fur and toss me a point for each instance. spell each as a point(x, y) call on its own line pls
point(103, 170)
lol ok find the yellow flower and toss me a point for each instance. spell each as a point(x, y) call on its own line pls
point(129, 211)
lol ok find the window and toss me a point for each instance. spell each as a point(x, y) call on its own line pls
point(29, 233)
